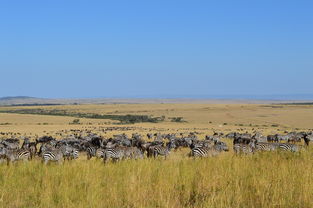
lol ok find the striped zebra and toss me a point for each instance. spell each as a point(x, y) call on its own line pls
point(91, 152)
point(53, 155)
point(69, 152)
point(289, 147)
point(114, 153)
point(206, 151)
point(245, 148)
point(100, 153)
point(15, 155)
point(75, 154)
point(203, 152)
point(133, 153)
point(277, 146)
point(265, 146)
point(158, 150)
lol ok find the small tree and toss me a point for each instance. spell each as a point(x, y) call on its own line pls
point(75, 121)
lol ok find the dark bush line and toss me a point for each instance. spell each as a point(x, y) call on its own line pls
point(123, 119)
point(177, 119)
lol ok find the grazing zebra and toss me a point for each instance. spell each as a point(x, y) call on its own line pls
point(31, 146)
point(100, 153)
point(158, 150)
point(133, 153)
point(289, 147)
point(206, 151)
point(69, 152)
point(245, 148)
point(53, 155)
point(115, 153)
point(75, 153)
point(15, 155)
point(91, 152)
point(265, 146)
point(203, 152)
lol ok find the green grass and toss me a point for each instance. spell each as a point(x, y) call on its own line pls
point(264, 180)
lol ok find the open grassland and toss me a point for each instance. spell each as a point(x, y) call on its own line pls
point(264, 180)
point(275, 179)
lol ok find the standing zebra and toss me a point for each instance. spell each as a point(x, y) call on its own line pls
point(100, 153)
point(289, 147)
point(91, 151)
point(133, 153)
point(159, 150)
point(115, 153)
point(54, 155)
point(265, 146)
point(69, 152)
point(206, 151)
point(15, 155)
point(245, 148)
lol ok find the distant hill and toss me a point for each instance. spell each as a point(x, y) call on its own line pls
point(26, 100)
point(33, 101)
point(14, 97)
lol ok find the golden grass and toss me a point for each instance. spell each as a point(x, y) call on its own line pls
point(277, 179)
point(199, 116)
point(263, 180)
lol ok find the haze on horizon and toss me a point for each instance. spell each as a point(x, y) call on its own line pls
point(196, 49)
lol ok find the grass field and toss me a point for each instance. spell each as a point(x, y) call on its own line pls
point(276, 179)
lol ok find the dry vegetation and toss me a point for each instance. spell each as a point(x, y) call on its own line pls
point(278, 179)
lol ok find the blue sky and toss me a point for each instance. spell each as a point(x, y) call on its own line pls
point(156, 48)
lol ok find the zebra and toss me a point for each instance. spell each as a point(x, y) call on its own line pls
point(54, 155)
point(115, 153)
point(265, 146)
point(69, 152)
point(203, 152)
point(289, 147)
point(74, 154)
point(133, 153)
point(159, 150)
point(245, 148)
point(100, 153)
point(206, 151)
point(15, 155)
point(91, 152)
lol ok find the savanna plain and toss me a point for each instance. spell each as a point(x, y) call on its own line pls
point(269, 179)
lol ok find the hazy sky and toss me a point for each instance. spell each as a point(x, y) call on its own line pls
point(155, 48)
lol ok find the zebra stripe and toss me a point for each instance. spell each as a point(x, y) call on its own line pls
point(243, 148)
point(55, 155)
point(100, 153)
point(115, 154)
point(264, 146)
point(289, 147)
point(156, 151)
point(203, 152)
point(91, 152)
point(15, 155)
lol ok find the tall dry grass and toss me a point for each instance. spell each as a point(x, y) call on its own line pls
point(264, 180)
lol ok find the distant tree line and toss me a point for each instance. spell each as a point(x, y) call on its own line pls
point(123, 119)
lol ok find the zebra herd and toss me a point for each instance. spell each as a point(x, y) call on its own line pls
point(121, 147)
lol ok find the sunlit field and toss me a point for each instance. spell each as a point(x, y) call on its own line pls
point(272, 179)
